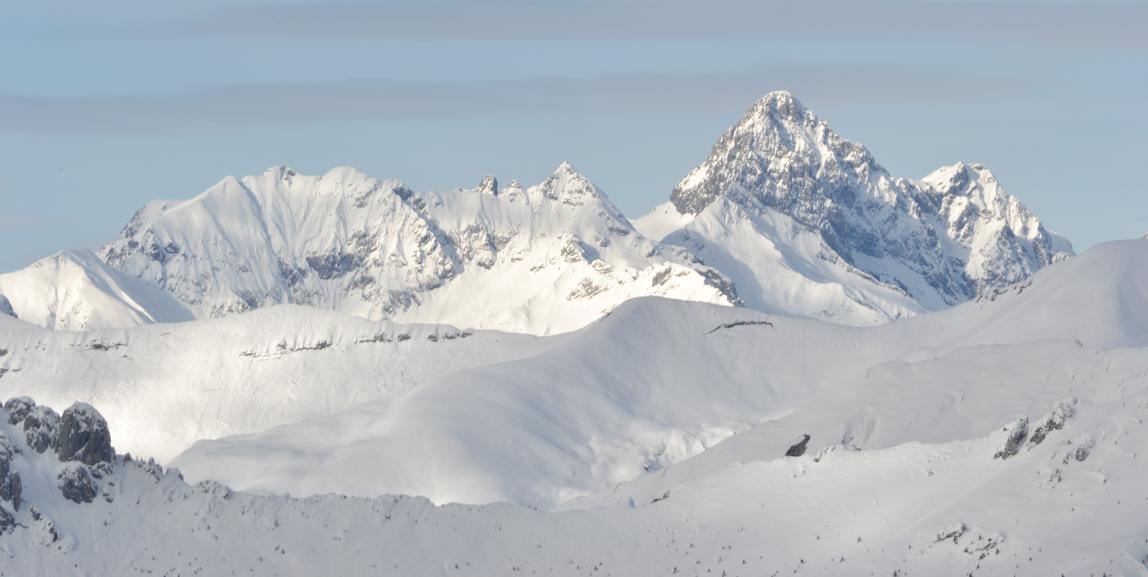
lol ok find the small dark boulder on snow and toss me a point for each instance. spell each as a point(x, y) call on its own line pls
point(18, 408)
point(1017, 433)
point(798, 448)
point(40, 426)
point(76, 484)
point(84, 436)
point(11, 489)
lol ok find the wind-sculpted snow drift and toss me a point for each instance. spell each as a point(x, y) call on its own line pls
point(785, 217)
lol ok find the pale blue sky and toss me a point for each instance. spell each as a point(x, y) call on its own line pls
point(104, 106)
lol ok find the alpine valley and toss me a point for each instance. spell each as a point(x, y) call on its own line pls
point(798, 365)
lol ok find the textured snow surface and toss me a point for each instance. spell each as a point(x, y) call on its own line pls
point(1005, 436)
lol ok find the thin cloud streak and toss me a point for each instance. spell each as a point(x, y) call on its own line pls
point(823, 22)
point(304, 103)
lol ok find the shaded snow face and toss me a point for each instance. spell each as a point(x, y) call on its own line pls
point(947, 238)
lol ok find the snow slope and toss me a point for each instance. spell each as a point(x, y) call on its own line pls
point(660, 381)
point(783, 267)
point(74, 290)
point(166, 386)
point(876, 247)
point(1065, 497)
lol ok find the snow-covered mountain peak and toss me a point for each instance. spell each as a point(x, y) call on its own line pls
point(489, 185)
point(75, 290)
point(782, 151)
point(569, 186)
point(777, 105)
point(281, 171)
point(945, 239)
point(546, 258)
point(970, 192)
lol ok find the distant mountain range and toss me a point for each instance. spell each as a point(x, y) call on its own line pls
point(785, 216)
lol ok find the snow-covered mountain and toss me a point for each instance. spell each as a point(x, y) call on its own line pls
point(1000, 437)
point(807, 222)
point(546, 258)
point(784, 217)
point(74, 290)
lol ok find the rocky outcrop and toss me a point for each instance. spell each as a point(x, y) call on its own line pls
point(1054, 421)
point(40, 427)
point(84, 436)
point(11, 489)
point(76, 484)
point(7, 520)
point(6, 452)
point(18, 408)
point(80, 437)
point(798, 448)
point(1017, 434)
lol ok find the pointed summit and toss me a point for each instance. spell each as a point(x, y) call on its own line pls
point(566, 168)
point(569, 185)
point(950, 237)
point(781, 153)
point(489, 185)
point(779, 103)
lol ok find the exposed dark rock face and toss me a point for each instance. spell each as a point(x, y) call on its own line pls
point(1018, 432)
point(798, 449)
point(489, 186)
point(84, 436)
point(11, 489)
point(1054, 421)
point(5, 457)
point(10, 485)
point(77, 484)
point(40, 426)
point(18, 408)
point(7, 520)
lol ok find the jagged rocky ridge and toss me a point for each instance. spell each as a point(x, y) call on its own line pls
point(952, 236)
point(539, 259)
point(784, 217)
